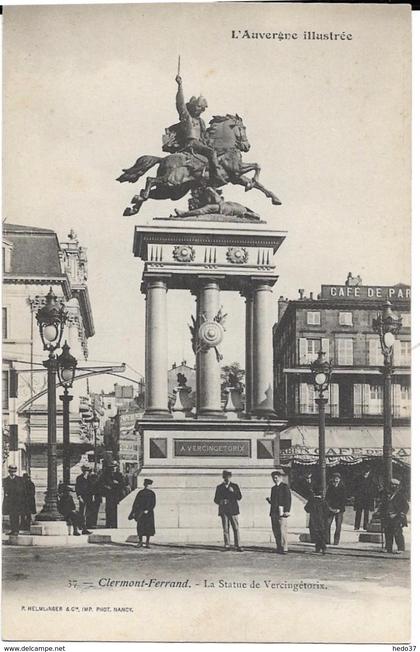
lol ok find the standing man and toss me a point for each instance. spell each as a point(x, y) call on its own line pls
point(393, 510)
point(29, 506)
point(280, 503)
point(84, 496)
point(364, 500)
point(14, 497)
point(336, 501)
point(113, 488)
point(227, 496)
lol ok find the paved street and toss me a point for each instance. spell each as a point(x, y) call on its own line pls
point(169, 592)
point(344, 570)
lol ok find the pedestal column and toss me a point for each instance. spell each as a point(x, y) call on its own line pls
point(156, 368)
point(262, 375)
point(249, 344)
point(208, 367)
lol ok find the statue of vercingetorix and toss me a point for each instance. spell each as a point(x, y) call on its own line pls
point(190, 133)
point(199, 158)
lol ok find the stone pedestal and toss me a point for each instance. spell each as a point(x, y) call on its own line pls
point(185, 456)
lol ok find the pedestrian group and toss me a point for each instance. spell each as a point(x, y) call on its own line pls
point(90, 488)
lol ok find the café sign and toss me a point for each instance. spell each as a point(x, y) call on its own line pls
point(372, 292)
point(340, 451)
point(212, 447)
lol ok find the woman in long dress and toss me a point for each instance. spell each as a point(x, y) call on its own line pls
point(142, 512)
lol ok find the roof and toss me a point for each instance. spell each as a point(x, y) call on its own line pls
point(35, 251)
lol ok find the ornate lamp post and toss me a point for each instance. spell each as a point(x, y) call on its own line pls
point(387, 326)
point(67, 364)
point(51, 319)
point(321, 370)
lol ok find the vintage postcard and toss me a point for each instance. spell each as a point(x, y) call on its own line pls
point(206, 323)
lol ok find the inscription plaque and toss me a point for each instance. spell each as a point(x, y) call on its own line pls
point(212, 447)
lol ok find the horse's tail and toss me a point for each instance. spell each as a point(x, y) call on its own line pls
point(141, 166)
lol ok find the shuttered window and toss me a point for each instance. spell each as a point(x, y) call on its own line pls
point(375, 353)
point(313, 318)
point(344, 351)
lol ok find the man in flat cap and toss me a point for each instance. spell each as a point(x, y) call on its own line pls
point(336, 501)
point(227, 496)
point(14, 497)
point(143, 512)
point(84, 495)
point(280, 502)
point(393, 509)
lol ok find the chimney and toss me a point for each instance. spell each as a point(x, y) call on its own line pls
point(311, 295)
point(282, 305)
point(174, 365)
point(301, 293)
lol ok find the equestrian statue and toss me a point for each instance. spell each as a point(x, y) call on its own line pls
point(200, 159)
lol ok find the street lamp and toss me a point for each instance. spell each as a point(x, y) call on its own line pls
point(51, 319)
point(67, 364)
point(387, 325)
point(321, 370)
point(95, 424)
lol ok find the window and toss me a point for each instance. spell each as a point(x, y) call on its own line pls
point(345, 318)
point(374, 403)
point(405, 353)
point(344, 351)
point(5, 390)
point(307, 403)
point(375, 356)
point(313, 346)
point(405, 401)
point(406, 320)
point(313, 318)
point(4, 323)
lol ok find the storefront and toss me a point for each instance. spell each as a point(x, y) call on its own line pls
point(349, 451)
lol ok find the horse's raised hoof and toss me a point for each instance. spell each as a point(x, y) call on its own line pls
point(128, 212)
point(275, 201)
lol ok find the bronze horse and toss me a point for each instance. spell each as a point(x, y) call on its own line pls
point(183, 171)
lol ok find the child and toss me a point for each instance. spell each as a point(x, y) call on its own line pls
point(318, 511)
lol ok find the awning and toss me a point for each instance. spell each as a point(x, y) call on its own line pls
point(343, 444)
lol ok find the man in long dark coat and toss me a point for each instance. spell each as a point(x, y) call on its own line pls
point(227, 496)
point(364, 500)
point(319, 512)
point(29, 506)
point(393, 510)
point(142, 512)
point(113, 490)
point(14, 496)
point(280, 502)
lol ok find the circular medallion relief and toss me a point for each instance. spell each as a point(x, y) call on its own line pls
point(237, 255)
point(184, 253)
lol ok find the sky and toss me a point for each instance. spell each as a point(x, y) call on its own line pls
point(88, 89)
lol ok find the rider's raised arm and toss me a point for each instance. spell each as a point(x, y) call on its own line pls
point(180, 101)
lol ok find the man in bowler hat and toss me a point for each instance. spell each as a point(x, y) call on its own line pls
point(280, 503)
point(227, 496)
point(14, 497)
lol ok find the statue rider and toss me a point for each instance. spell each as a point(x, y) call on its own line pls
point(193, 128)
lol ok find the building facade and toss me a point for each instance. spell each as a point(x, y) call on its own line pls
point(33, 261)
point(339, 322)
